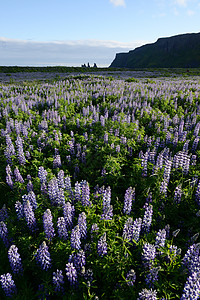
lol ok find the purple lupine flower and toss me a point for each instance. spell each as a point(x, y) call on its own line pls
point(85, 195)
point(68, 212)
point(48, 225)
point(18, 176)
point(107, 208)
point(197, 194)
point(58, 281)
point(42, 257)
point(19, 210)
point(94, 230)
point(62, 228)
point(136, 229)
point(148, 254)
point(160, 238)
point(146, 223)
point(152, 276)
point(102, 245)
point(29, 216)
point(15, 260)
point(127, 231)
point(61, 180)
point(77, 191)
point(71, 274)
point(42, 174)
point(131, 277)
point(128, 200)
point(82, 223)
point(57, 161)
point(3, 213)
point(9, 181)
point(146, 294)
point(88, 275)
point(8, 285)
point(29, 186)
point(78, 259)
point(76, 238)
point(4, 234)
point(32, 198)
point(191, 289)
point(68, 186)
point(177, 194)
point(191, 260)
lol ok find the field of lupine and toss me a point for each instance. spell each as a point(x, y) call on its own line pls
point(100, 189)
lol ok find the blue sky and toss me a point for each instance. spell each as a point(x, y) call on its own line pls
point(72, 32)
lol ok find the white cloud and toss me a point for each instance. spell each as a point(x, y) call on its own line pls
point(181, 2)
point(118, 2)
point(69, 53)
point(190, 12)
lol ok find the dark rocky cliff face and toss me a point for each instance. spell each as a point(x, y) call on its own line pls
point(180, 51)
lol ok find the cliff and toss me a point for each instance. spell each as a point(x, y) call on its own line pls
point(180, 51)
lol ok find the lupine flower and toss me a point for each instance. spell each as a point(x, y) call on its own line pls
point(191, 260)
point(48, 225)
point(76, 238)
point(146, 294)
point(19, 210)
point(42, 174)
point(8, 285)
point(71, 274)
point(94, 230)
point(57, 162)
point(78, 259)
point(131, 277)
point(4, 233)
point(160, 238)
point(32, 198)
point(62, 229)
point(3, 213)
point(77, 191)
point(18, 176)
point(68, 212)
point(146, 223)
point(102, 245)
point(85, 195)
point(15, 259)
point(61, 179)
point(152, 276)
point(148, 254)
point(29, 186)
point(128, 200)
point(29, 216)
point(135, 229)
point(107, 208)
point(177, 194)
point(42, 257)
point(192, 287)
point(58, 281)
point(82, 223)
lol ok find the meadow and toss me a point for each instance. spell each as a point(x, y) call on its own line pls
point(100, 187)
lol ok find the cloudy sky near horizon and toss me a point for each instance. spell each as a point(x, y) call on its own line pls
point(66, 32)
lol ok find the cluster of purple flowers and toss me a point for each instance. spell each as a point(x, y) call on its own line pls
point(42, 257)
point(48, 225)
point(107, 207)
point(8, 285)
point(128, 200)
point(15, 260)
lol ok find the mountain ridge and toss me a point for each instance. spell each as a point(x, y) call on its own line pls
point(178, 51)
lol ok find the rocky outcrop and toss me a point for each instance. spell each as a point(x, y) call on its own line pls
point(180, 51)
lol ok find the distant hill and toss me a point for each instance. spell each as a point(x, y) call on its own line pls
point(179, 51)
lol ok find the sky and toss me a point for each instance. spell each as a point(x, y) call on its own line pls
point(74, 32)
